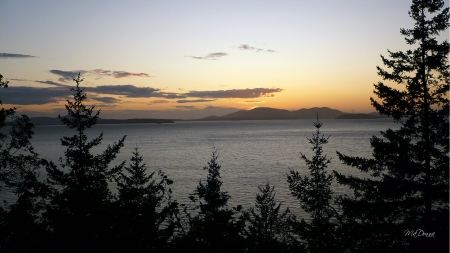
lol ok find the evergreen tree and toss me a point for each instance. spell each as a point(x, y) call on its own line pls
point(407, 186)
point(268, 230)
point(146, 208)
point(80, 214)
point(19, 172)
point(215, 228)
point(315, 196)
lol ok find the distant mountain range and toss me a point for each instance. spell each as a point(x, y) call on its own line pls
point(260, 113)
point(266, 113)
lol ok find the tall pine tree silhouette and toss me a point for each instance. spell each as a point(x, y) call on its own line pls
point(268, 229)
point(145, 208)
point(214, 228)
point(80, 214)
point(407, 186)
point(316, 197)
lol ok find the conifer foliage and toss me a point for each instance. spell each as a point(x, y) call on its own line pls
point(315, 196)
point(268, 229)
point(215, 228)
point(19, 173)
point(407, 186)
point(80, 213)
point(145, 207)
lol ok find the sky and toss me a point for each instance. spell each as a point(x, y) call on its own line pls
point(191, 59)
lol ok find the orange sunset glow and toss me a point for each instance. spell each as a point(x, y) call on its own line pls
point(190, 59)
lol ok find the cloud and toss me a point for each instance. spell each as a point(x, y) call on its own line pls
point(236, 93)
point(23, 95)
point(252, 102)
point(216, 55)
point(20, 80)
point(195, 101)
point(115, 73)
point(126, 90)
point(211, 56)
point(52, 83)
point(131, 91)
point(122, 74)
point(161, 101)
point(250, 48)
point(6, 55)
point(189, 107)
point(39, 81)
point(172, 95)
point(66, 76)
point(106, 100)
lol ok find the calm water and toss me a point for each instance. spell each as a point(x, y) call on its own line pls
point(251, 153)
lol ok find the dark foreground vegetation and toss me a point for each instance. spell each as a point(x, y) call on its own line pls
point(402, 205)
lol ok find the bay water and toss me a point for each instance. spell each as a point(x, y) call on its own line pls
point(251, 153)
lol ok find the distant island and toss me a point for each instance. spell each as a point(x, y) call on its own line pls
point(260, 113)
point(266, 113)
point(373, 115)
point(57, 121)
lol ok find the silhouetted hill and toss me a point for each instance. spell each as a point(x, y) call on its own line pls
point(260, 113)
point(311, 113)
point(266, 113)
point(57, 121)
point(361, 116)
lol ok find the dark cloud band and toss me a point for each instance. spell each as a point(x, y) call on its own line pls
point(7, 55)
point(67, 76)
point(236, 93)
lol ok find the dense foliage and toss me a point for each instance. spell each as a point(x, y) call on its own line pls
point(315, 195)
point(85, 203)
point(407, 187)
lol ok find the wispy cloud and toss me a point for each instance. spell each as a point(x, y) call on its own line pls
point(131, 91)
point(40, 81)
point(126, 90)
point(250, 48)
point(7, 55)
point(172, 95)
point(211, 56)
point(251, 102)
point(67, 76)
point(235, 93)
point(195, 101)
point(52, 83)
point(116, 74)
point(106, 100)
point(159, 101)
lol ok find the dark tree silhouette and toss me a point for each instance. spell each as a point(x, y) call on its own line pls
point(407, 186)
point(80, 214)
point(19, 166)
point(146, 208)
point(315, 196)
point(215, 228)
point(269, 230)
